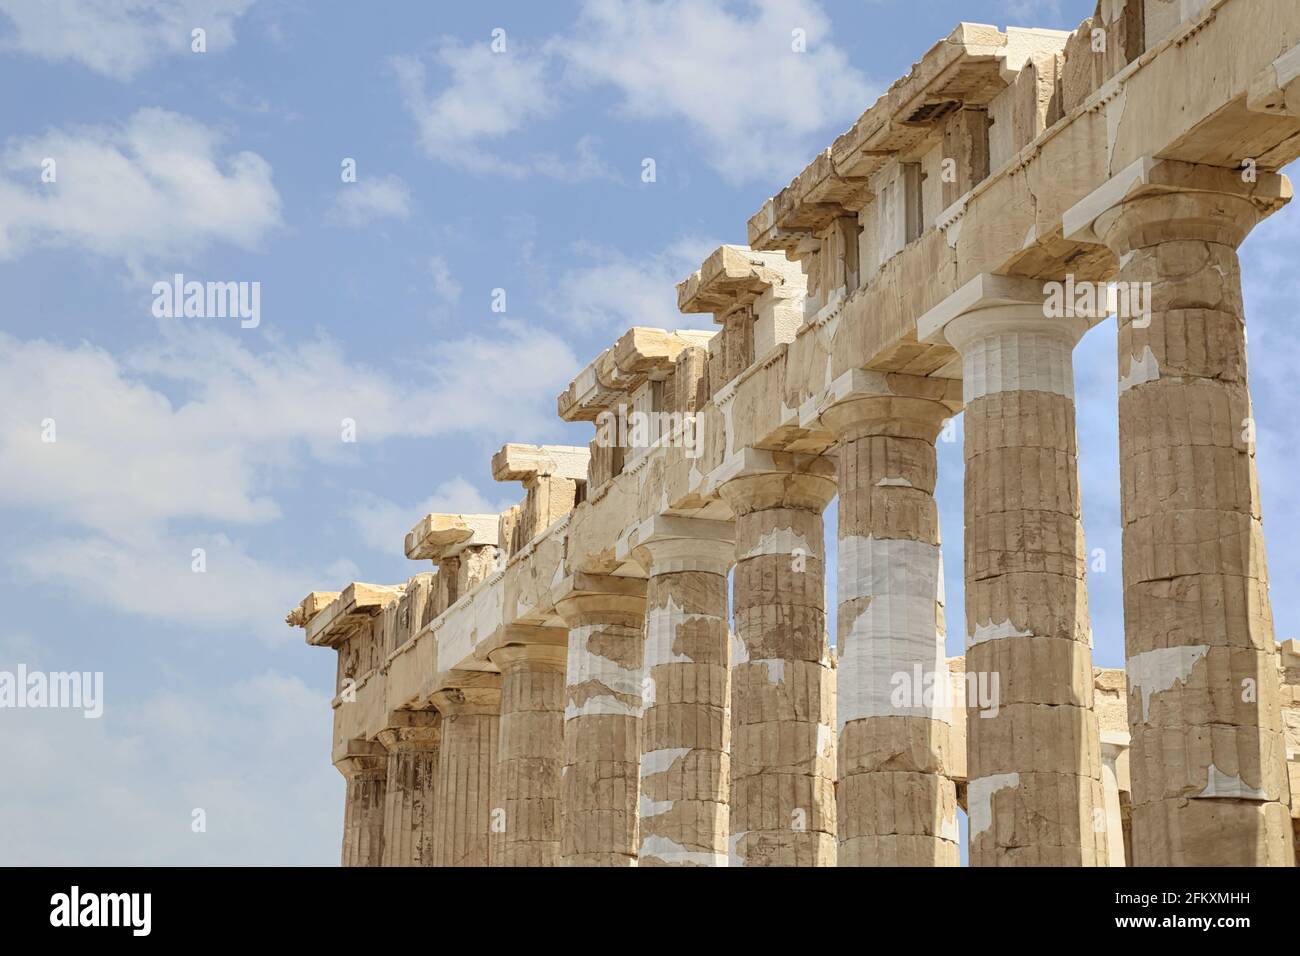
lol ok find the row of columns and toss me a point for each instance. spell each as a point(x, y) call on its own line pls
point(662, 737)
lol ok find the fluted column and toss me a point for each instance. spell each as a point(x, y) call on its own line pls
point(602, 721)
point(365, 768)
point(1033, 759)
point(1208, 757)
point(525, 829)
point(783, 685)
point(685, 725)
point(462, 803)
point(411, 740)
point(897, 802)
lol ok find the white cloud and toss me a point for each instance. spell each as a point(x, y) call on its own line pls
point(367, 200)
point(252, 754)
point(448, 288)
point(151, 189)
point(136, 479)
point(382, 524)
point(758, 108)
point(615, 292)
point(151, 576)
point(489, 96)
point(128, 458)
point(584, 164)
point(119, 38)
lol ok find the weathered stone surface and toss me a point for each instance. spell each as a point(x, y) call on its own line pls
point(602, 720)
point(525, 822)
point(466, 762)
point(411, 740)
point(685, 726)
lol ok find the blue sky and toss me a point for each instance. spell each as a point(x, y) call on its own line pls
point(475, 171)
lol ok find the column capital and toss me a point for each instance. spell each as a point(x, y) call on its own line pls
point(990, 304)
point(765, 480)
point(363, 758)
point(551, 652)
point(895, 416)
point(966, 330)
point(668, 543)
point(862, 383)
point(521, 634)
point(411, 730)
point(671, 555)
point(470, 692)
point(1114, 744)
point(581, 597)
point(1158, 200)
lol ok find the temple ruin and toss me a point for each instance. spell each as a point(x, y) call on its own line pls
point(574, 682)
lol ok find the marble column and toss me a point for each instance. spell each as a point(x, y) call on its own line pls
point(783, 684)
point(896, 798)
point(1033, 758)
point(525, 824)
point(411, 740)
point(1208, 757)
point(685, 725)
point(462, 803)
point(365, 768)
point(602, 721)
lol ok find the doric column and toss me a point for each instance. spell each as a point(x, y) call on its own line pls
point(685, 725)
point(1208, 758)
point(462, 803)
point(602, 719)
point(411, 739)
point(896, 799)
point(783, 685)
point(525, 829)
point(365, 768)
point(1033, 758)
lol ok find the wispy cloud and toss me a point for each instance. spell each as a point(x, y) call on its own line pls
point(119, 39)
point(611, 291)
point(164, 448)
point(585, 163)
point(488, 96)
point(730, 73)
point(370, 199)
point(444, 284)
point(382, 524)
point(252, 755)
point(152, 188)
